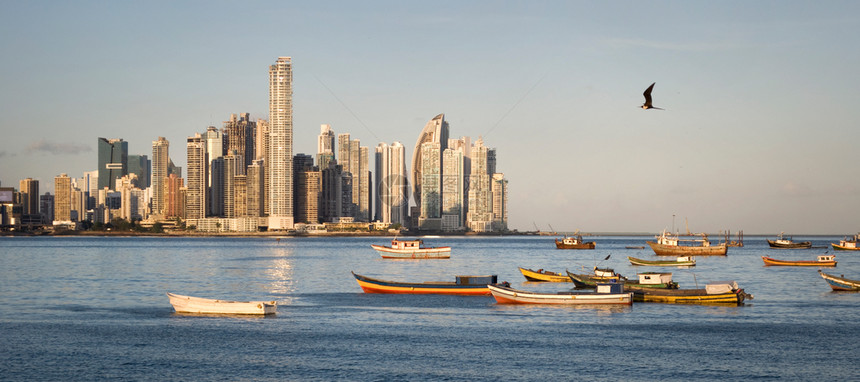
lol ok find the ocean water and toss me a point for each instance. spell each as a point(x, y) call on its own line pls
point(92, 308)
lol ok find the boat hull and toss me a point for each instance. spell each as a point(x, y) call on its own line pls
point(418, 253)
point(661, 263)
point(800, 245)
point(586, 245)
point(544, 276)
point(840, 283)
point(188, 304)
point(801, 263)
point(371, 285)
point(689, 296)
point(683, 250)
point(504, 295)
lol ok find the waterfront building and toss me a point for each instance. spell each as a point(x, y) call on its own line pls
point(112, 161)
point(174, 197)
point(160, 162)
point(232, 168)
point(240, 195)
point(262, 155)
point(436, 131)
point(216, 189)
point(46, 207)
point(431, 187)
point(307, 189)
point(63, 198)
point(140, 165)
point(453, 216)
point(280, 154)
point(330, 205)
point(256, 188)
point(480, 215)
point(325, 146)
point(364, 207)
point(500, 202)
point(195, 205)
point(29, 189)
point(391, 185)
point(240, 137)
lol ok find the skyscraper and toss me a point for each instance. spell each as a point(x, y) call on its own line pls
point(325, 146)
point(436, 131)
point(280, 155)
point(391, 185)
point(160, 161)
point(431, 187)
point(195, 205)
point(480, 216)
point(453, 206)
point(140, 165)
point(113, 161)
point(500, 202)
point(307, 189)
point(29, 189)
point(63, 198)
point(240, 133)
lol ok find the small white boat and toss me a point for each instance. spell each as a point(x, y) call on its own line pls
point(606, 294)
point(188, 304)
point(411, 249)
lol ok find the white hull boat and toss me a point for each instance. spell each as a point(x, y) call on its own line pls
point(188, 304)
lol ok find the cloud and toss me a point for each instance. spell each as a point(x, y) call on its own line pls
point(58, 148)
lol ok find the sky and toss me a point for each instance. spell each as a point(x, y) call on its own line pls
point(760, 131)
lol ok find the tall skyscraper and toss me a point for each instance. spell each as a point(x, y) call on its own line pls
point(391, 185)
point(307, 189)
point(431, 187)
point(160, 162)
point(280, 155)
point(453, 203)
point(325, 146)
point(436, 131)
point(140, 165)
point(500, 202)
point(330, 205)
point(195, 205)
point(63, 198)
point(174, 197)
point(364, 207)
point(232, 168)
point(256, 188)
point(29, 189)
point(113, 161)
point(240, 132)
point(480, 216)
point(262, 150)
point(46, 207)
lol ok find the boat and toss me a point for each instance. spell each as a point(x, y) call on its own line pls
point(717, 293)
point(782, 242)
point(635, 247)
point(188, 304)
point(672, 245)
point(840, 283)
point(411, 249)
point(606, 294)
point(462, 285)
point(544, 276)
point(847, 245)
point(821, 261)
point(680, 261)
point(645, 279)
point(573, 242)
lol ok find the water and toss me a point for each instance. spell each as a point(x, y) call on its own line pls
point(74, 308)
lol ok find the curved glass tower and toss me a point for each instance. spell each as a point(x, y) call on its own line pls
point(436, 131)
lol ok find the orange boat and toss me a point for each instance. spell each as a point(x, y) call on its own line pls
point(463, 285)
point(822, 261)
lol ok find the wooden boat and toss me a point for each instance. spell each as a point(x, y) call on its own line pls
point(606, 294)
point(672, 245)
point(847, 245)
point(645, 280)
point(411, 249)
point(680, 261)
point(542, 275)
point(188, 304)
point(715, 293)
point(822, 261)
point(783, 243)
point(635, 247)
point(573, 242)
point(463, 285)
point(840, 283)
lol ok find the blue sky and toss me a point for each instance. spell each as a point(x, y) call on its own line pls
point(759, 133)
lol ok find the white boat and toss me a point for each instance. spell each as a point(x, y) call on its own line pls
point(188, 304)
point(606, 294)
point(411, 249)
point(668, 244)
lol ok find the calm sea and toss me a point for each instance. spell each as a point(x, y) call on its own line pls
point(74, 308)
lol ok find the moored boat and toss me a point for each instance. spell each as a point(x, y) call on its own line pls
point(411, 249)
point(463, 285)
point(645, 279)
point(847, 245)
point(787, 243)
point(188, 304)
point(574, 242)
point(718, 293)
point(821, 261)
point(840, 283)
point(544, 276)
point(606, 294)
point(680, 261)
point(667, 244)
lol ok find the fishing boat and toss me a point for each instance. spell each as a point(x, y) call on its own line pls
point(718, 293)
point(188, 304)
point(573, 242)
point(411, 249)
point(847, 245)
point(672, 245)
point(645, 280)
point(545, 276)
point(462, 285)
point(787, 243)
point(821, 261)
point(840, 283)
point(606, 294)
point(680, 261)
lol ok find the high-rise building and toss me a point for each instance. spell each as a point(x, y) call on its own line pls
point(216, 191)
point(195, 205)
point(256, 188)
point(46, 207)
point(280, 154)
point(391, 185)
point(29, 189)
point(240, 195)
point(240, 137)
point(500, 202)
point(436, 131)
point(364, 207)
point(480, 216)
point(453, 206)
point(307, 189)
point(174, 197)
point(140, 165)
point(232, 168)
point(263, 155)
point(160, 163)
point(113, 161)
point(431, 187)
point(63, 198)
point(325, 146)
point(330, 204)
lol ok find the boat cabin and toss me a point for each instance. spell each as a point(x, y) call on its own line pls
point(719, 287)
point(604, 272)
point(610, 287)
point(406, 244)
point(570, 240)
point(849, 243)
point(684, 259)
point(653, 278)
point(826, 258)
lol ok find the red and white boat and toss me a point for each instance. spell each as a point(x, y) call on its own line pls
point(411, 249)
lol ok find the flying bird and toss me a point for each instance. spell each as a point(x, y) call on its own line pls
point(647, 105)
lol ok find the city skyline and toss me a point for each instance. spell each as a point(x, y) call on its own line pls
point(757, 134)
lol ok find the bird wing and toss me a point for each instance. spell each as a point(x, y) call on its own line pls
point(647, 94)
